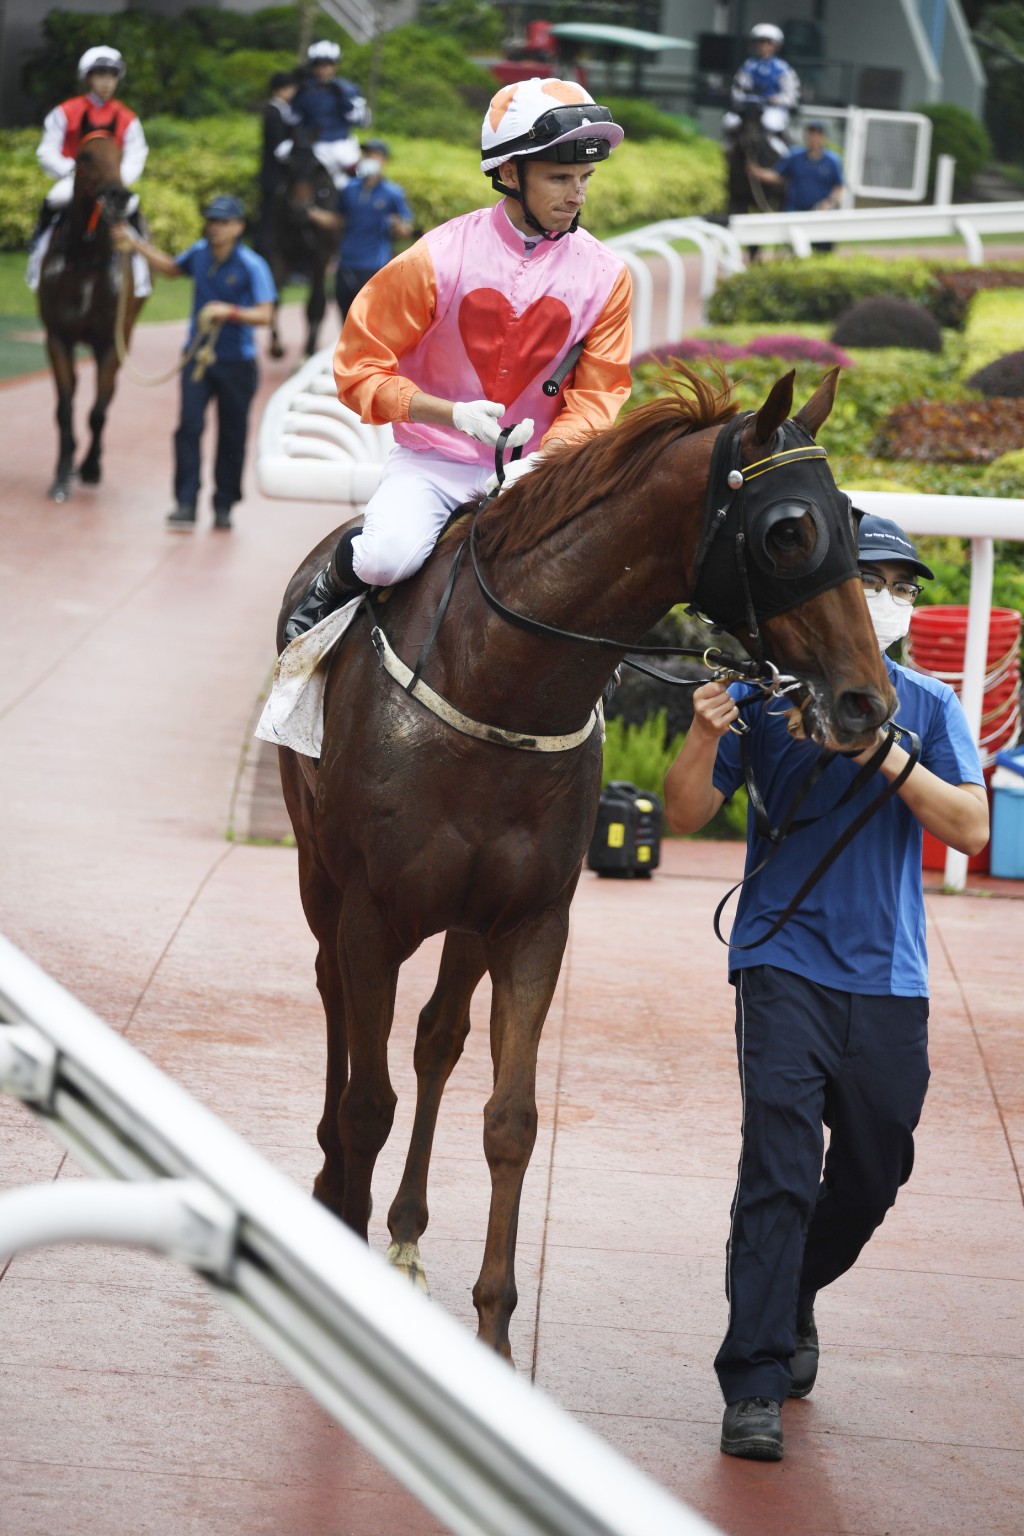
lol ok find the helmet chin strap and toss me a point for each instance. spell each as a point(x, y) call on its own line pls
point(519, 193)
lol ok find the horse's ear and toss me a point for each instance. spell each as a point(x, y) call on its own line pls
point(774, 411)
point(811, 415)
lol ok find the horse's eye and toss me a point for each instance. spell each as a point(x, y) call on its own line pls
point(787, 535)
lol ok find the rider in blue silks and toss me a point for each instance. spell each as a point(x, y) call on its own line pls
point(766, 80)
point(329, 110)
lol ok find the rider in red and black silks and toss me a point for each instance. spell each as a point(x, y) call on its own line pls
point(96, 110)
point(452, 340)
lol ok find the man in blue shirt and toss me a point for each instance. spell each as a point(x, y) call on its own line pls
point(235, 291)
point(832, 1011)
point(812, 177)
point(372, 214)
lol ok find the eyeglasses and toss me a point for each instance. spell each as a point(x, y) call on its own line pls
point(903, 591)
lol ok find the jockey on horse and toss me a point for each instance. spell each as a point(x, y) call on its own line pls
point(766, 81)
point(329, 109)
point(96, 110)
point(480, 309)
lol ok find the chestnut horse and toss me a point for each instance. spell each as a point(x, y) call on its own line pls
point(414, 827)
point(78, 297)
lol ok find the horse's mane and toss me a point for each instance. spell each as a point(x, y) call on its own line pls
point(609, 463)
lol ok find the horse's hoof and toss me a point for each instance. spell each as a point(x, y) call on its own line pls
point(89, 474)
point(406, 1259)
point(59, 491)
point(276, 349)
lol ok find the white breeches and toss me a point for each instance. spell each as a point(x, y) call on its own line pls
point(33, 270)
point(339, 156)
point(61, 192)
point(407, 511)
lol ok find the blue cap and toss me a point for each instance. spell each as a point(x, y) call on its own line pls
point(224, 207)
point(879, 538)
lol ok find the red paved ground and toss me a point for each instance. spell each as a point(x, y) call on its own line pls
point(130, 1402)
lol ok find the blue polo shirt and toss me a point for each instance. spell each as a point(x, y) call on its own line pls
point(367, 210)
point(862, 928)
point(243, 279)
point(808, 181)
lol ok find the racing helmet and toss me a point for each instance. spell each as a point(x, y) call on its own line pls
point(323, 52)
point(766, 32)
point(546, 120)
point(100, 57)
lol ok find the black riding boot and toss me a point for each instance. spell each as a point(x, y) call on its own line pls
point(43, 222)
point(337, 583)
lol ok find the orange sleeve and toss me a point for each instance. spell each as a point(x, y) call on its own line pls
point(602, 379)
point(401, 298)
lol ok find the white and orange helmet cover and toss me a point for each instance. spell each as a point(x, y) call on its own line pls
point(516, 109)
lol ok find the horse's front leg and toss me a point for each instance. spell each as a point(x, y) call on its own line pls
point(524, 970)
point(276, 349)
point(369, 959)
point(440, 1037)
point(316, 304)
point(62, 361)
point(107, 364)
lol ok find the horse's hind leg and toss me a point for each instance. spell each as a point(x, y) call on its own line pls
point(524, 970)
point(106, 378)
point(62, 360)
point(276, 349)
point(440, 1036)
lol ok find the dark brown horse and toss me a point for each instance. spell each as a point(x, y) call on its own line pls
point(79, 288)
point(294, 243)
point(750, 144)
point(415, 828)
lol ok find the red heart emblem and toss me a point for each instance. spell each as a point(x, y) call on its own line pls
point(509, 350)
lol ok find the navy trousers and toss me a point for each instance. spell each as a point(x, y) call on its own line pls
point(232, 385)
point(810, 1057)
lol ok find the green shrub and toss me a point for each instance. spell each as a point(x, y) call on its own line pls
point(955, 131)
point(644, 182)
point(642, 120)
point(1003, 376)
point(796, 289)
point(639, 754)
point(955, 287)
point(475, 25)
point(995, 325)
point(245, 76)
point(888, 323)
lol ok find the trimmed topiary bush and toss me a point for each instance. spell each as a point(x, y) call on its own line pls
point(1004, 377)
point(888, 323)
point(955, 287)
point(952, 432)
point(820, 290)
point(995, 326)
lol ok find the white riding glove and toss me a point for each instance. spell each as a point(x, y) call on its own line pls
point(481, 419)
point(514, 471)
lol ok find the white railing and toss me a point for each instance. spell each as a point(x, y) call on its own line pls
point(968, 222)
point(720, 254)
point(476, 1444)
point(311, 447)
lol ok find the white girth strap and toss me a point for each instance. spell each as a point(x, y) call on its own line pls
point(460, 722)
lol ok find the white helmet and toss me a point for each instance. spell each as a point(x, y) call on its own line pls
point(100, 58)
point(533, 116)
point(324, 52)
point(765, 32)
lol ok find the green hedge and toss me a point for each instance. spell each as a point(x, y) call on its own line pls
point(190, 161)
point(957, 132)
point(818, 290)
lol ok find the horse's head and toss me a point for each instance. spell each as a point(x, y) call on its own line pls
point(98, 175)
point(782, 571)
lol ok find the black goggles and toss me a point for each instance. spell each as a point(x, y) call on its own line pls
point(552, 125)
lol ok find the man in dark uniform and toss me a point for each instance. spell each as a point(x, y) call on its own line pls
point(279, 123)
point(233, 288)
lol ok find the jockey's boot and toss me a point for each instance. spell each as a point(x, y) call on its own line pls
point(336, 584)
point(43, 222)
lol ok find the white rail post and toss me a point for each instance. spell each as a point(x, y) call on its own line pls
point(972, 690)
point(945, 168)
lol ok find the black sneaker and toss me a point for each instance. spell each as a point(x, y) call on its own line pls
point(221, 519)
point(182, 519)
point(320, 598)
point(803, 1363)
point(753, 1428)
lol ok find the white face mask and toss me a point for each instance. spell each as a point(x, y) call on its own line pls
point(890, 619)
point(369, 166)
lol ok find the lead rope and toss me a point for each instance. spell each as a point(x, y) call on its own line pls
point(202, 348)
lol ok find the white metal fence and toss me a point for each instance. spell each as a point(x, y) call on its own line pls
point(488, 1454)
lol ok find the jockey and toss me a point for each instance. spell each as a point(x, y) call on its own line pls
point(768, 81)
point(329, 109)
point(96, 109)
point(452, 340)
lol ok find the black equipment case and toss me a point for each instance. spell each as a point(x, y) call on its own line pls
point(626, 844)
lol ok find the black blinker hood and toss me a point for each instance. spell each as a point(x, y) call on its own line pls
point(736, 580)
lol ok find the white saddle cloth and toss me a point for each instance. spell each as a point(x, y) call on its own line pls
point(293, 715)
